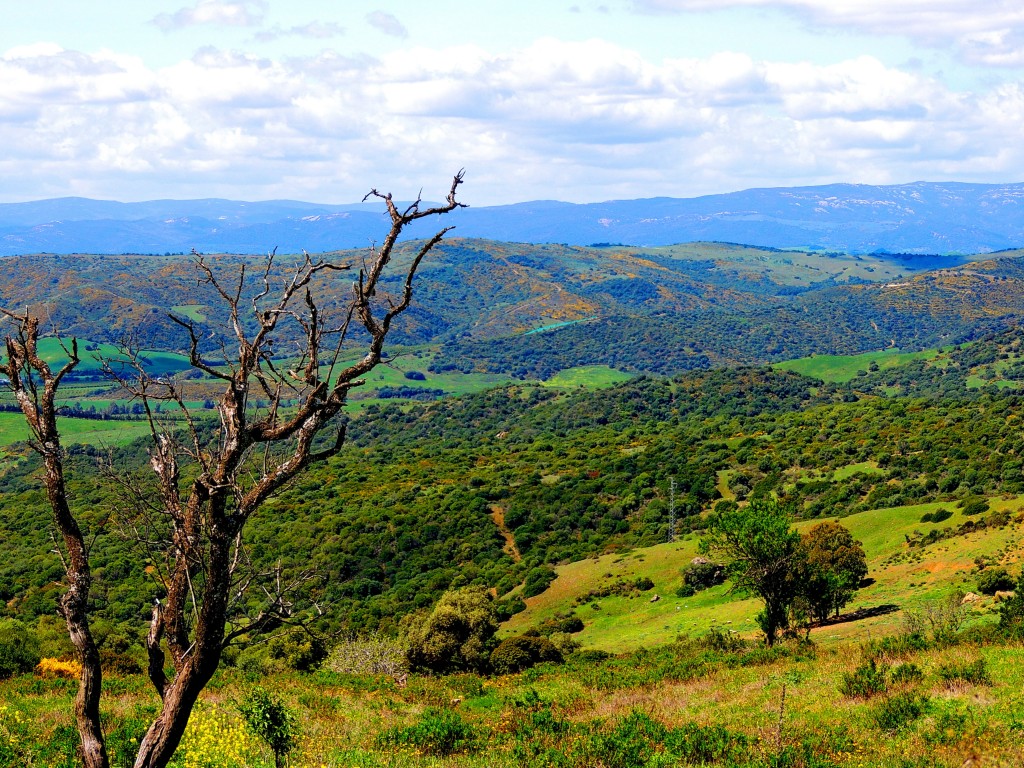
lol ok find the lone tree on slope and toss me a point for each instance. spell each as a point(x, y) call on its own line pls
point(229, 472)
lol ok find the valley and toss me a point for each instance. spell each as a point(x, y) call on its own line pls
point(535, 444)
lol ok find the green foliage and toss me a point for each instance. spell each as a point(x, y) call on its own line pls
point(939, 620)
point(568, 624)
point(300, 651)
point(760, 551)
point(270, 719)
point(974, 672)
point(992, 580)
point(458, 635)
point(516, 653)
point(631, 743)
point(509, 607)
point(938, 516)
point(972, 507)
point(439, 732)
point(831, 568)
point(19, 649)
point(702, 574)
point(906, 674)
point(899, 711)
point(1011, 613)
point(537, 580)
point(867, 680)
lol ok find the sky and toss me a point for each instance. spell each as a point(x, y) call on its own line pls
point(575, 100)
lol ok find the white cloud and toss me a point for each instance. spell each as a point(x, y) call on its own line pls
point(387, 23)
point(576, 121)
point(986, 33)
point(244, 13)
point(314, 30)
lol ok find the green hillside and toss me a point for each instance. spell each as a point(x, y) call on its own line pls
point(902, 578)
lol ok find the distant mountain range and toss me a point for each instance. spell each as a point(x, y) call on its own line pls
point(924, 217)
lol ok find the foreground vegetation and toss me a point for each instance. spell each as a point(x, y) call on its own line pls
point(906, 701)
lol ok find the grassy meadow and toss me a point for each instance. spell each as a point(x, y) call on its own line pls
point(839, 369)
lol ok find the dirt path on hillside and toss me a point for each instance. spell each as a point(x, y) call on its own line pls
point(510, 548)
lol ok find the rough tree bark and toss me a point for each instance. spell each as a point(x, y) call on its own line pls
point(253, 454)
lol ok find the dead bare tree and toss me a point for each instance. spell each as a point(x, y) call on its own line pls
point(253, 453)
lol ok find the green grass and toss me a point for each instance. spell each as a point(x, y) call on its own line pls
point(788, 267)
point(75, 431)
point(863, 467)
point(192, 312)
point(838, 369)
point(554, 326)
point(155, 363)
point(590, 376)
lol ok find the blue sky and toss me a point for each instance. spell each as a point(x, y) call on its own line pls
point(577, 100)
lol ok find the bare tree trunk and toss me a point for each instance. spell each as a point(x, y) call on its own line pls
point(73, 606)
point(25, 370)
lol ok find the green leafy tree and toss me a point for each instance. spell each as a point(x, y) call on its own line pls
point(830, 570)
point(761, 553)
point(457, 635)
point(271, 720)
point(19, 649)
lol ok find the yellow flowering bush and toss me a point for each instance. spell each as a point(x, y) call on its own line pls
point(56, 668)
point(215, 740)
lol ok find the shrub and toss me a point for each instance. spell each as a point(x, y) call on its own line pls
point(19, 649)
point(701, 744)
point(975, 672)
point(941, 619)
point(514, 654)
point(974, 506)
point(57, 668)
point(950, 727)
point(685, 590)
point(537, 580)
point(997, 519)
point(567, 624)
point(214, 740)
point(271, 720)
point(1011, 614)
point(506, 609)
point(643, 583)
point(632, 743)
point(702, 574)
point(720, 640)
point(439, 732)
point(867, 680)
point(938, 516)
point(458, 635)
point(373, 654)
point(993, 580)
point(906, 674)
point(301, 652)
point(899, 711)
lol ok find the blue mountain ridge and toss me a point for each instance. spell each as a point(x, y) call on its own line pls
point(923, 217)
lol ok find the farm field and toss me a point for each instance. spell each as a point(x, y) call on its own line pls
point(838, 369)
